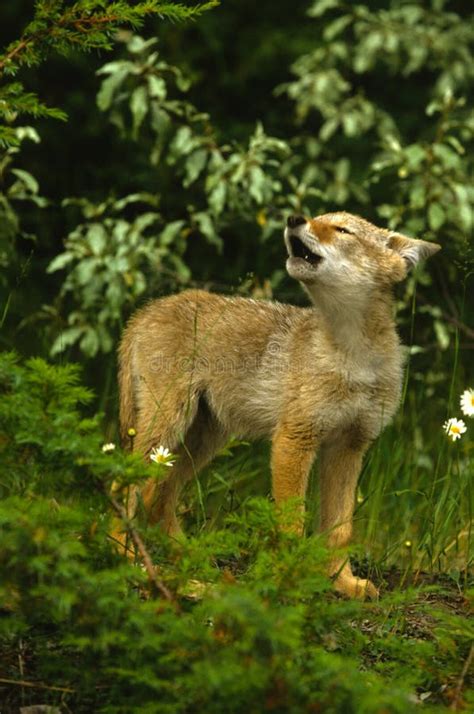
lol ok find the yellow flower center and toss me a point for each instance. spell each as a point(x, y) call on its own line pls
point(455, 429)
point(472, 400)
point(261, 218)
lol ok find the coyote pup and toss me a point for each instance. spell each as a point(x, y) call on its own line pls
point(197, 367)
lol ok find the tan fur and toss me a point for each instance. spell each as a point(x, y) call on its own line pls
point(196, 368)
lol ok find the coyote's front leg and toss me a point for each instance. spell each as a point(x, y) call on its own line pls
point(293, 451)
point(341, 463)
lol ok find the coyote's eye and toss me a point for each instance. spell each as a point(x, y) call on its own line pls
point(340, 229)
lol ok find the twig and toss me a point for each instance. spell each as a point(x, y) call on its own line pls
point(16, 50)
point(21, 667)
point(460, 682)
point(36, 685)
point(140, 546)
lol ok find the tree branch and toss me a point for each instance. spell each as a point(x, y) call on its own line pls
point(84, 24)
point(35, 685)
point(140, 546)
point(81, 24)
point(460, 683)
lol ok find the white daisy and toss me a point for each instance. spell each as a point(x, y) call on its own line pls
point(454, 428)
point(467, 402)
point(162, 455)
point(107, 448)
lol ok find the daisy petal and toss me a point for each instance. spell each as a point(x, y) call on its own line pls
point(107, 448)
point(467, 402)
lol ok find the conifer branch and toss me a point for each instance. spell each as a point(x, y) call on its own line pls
point(88, 27)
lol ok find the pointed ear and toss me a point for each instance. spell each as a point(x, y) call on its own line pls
point(412, 249)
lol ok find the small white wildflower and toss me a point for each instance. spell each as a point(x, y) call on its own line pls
point(162, 455)
point(467, 402)
point(454, 428)
point(107, 448)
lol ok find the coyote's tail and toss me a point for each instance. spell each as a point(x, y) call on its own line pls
point(126, 390)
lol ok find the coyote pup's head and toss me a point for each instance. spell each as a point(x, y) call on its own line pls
point(341, 252)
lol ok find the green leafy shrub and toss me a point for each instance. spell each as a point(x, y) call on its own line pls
point(19, 186)
point(112, 259)
point(230, 183)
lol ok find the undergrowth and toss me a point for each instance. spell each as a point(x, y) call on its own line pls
point(248, 622)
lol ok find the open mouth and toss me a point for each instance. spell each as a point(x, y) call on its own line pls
point(300, 250)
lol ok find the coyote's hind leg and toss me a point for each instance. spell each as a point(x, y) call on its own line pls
point(193, 451)
point(162, 418)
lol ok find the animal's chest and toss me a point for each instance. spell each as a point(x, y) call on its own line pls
point(343, 401)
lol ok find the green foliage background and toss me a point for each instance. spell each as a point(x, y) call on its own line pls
point(147, 147)
point(209, 134)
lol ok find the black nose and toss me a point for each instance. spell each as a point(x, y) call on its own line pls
point(295, 221)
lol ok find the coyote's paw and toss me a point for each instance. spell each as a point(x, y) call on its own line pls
point(356, 588)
